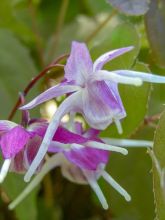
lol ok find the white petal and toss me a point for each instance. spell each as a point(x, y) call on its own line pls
point(53, 162)
point(66, 106)
point(94, 185)
point(103, 146)
point(116, 186)
point(147, 77)
point(114, 77)
point(128, 142)
point(118, 125)
point(4, 169)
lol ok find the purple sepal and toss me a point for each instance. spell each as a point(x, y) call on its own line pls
point(83, 157)
point(5, 126)
point(67, 137)
point(78, 64)
point(86, 157)
point(14, 141)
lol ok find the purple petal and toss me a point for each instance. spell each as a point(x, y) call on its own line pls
point(103, 59)
point(78, 128)
point(87, 158)
point(38, 127)
point(17, 164)
point(78, 64)
point(32, 149)
point(5, 126)
point(67, 137)
point(14, 141)
point(101, 104)
point(55, 148)
point(92, 133)
point(53, 92)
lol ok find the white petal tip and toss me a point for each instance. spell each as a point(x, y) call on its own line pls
point(1, 179)
point(28, 106)
point(128, 198)
point(124, 152)
point(120, 132)
point(138, 82)
point(131, 47)
point(105, 206)
point(118, 126)
point(10, 207)
point(23, 107)
point(27, 179)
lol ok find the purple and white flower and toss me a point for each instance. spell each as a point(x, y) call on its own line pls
point(19, 145)
point(93, 92)
point(82, 157)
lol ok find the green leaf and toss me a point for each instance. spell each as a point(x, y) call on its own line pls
point(14, 185)
point(131, 7)
point(135, 100)
point(13, 18)
point(155, 27)
point(132, 172)
point(159, 153)
point(17, 68)
point(96, 6)
point(107, 38)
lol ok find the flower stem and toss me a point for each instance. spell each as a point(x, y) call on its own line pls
point(59, 25)
point(38, 41)
point(34, 81)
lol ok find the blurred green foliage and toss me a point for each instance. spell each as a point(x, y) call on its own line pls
point(32, 34)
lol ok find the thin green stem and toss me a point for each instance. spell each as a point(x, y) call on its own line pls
point(32, 12)
point(60, 22)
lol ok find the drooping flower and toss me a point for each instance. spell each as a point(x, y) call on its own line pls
point(92, 91)
point(19, 145)
point(82, 157)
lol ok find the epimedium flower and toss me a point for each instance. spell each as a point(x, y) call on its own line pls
point(19, 144)
point(82, 157)
point(92, 91)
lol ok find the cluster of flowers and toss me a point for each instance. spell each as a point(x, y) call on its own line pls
point(81, 154)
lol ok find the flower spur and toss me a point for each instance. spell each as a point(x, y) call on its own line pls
point(92, 91)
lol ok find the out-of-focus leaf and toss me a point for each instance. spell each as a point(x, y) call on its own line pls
point(131, 7)
point(159, 152)
point(48, 14)
point(13, 186)
point(155, 26)
point(109, 37)
point(135, 100)
point(17, 69)
point(132, 172)
point(10, 18)
point(98, 6)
